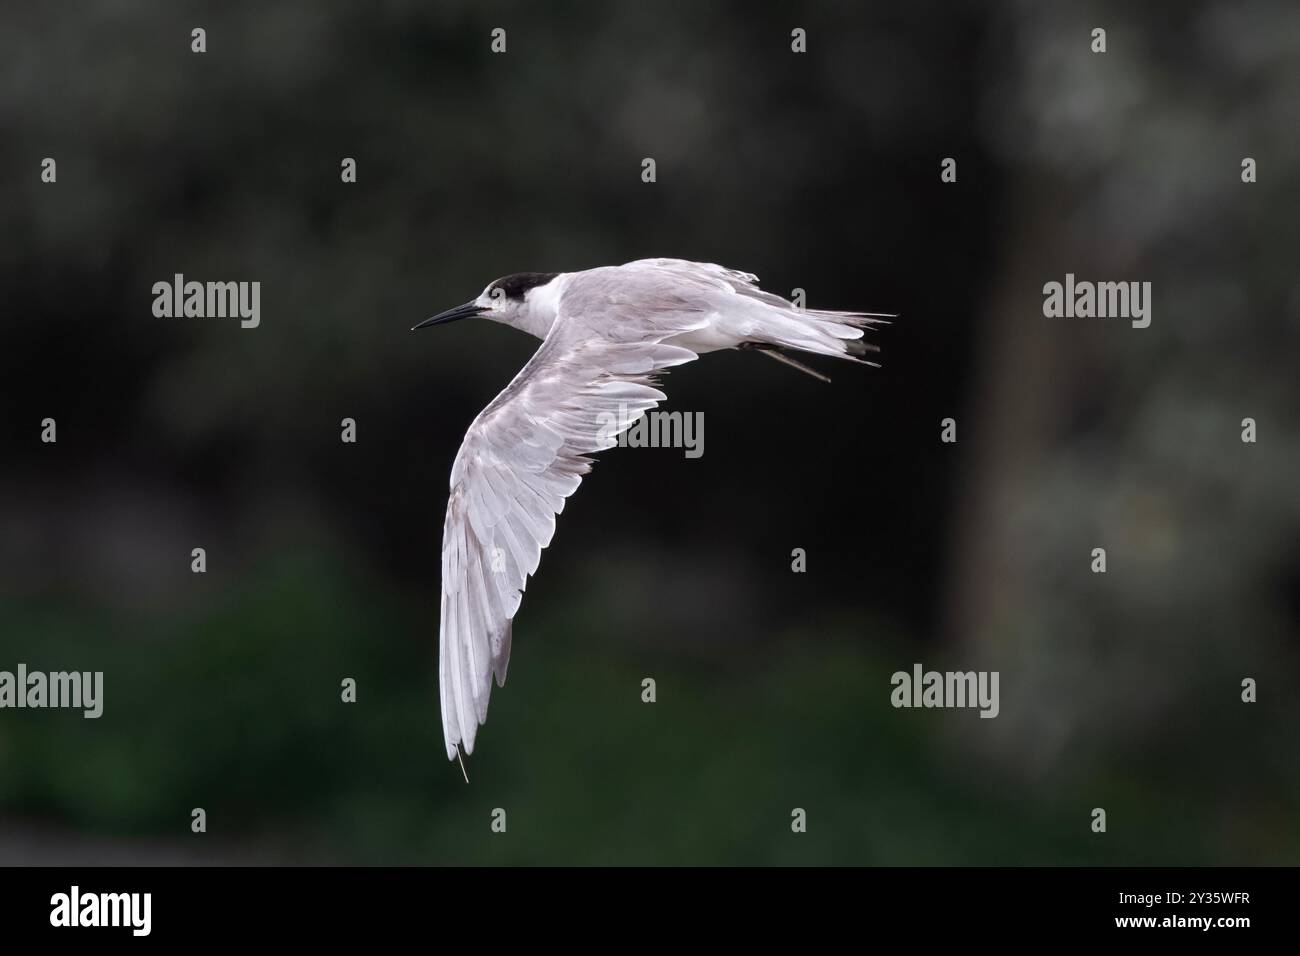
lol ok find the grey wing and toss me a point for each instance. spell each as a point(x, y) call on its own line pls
point(712, 281)
point(710, 275)
point(522, 456)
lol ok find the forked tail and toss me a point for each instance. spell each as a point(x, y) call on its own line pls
point(817, 332)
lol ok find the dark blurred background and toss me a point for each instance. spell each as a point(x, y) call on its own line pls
point(818, 171)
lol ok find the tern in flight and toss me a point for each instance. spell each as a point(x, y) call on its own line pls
point(606, 333)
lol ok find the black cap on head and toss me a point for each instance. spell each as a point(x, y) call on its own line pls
point(514, 286)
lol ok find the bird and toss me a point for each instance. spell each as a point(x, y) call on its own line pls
point(607, 334)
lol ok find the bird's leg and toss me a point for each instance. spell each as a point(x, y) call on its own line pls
point(771, 352)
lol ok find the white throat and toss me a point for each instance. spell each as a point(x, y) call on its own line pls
point(541, 305)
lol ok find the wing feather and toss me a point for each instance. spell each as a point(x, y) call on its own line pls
point(521, 458)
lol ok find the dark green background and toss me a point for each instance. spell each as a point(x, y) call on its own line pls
point(818, 171)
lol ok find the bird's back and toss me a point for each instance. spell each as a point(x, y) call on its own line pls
point(649, 298)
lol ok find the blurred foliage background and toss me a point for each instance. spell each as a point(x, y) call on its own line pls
point(818, 171)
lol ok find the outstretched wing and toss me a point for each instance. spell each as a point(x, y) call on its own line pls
point(524, 454)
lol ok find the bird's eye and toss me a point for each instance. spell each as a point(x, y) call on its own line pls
point(497, 296)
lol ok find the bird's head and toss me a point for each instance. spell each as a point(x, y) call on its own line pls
point(527, 301)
